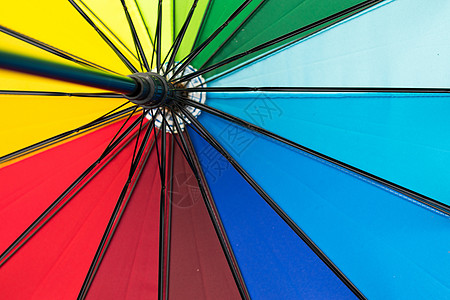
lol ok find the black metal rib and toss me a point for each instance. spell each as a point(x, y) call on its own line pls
point(233, 34)
point(181, 35)
point(143, 22)
point(169, 217)
point(279, 39)
point(211, 140)
point(268, 53)
point(133, 166)
point(117, 214)
point(52, 49)
point(315, 89)
point(200, 48)
point(158, 37)
point(157, 147)
point(202, 24)
point(105, 38)
point(47, 214)
point(226, 248)
point(136, 40)
point(162, 216)
point(444, 208)
point(120, 129)
point(101, 121)
point(43, 93)
point(108, 29)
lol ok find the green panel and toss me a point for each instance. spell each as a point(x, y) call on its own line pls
point(218, 12)
point(182, 9)
point(273, 19)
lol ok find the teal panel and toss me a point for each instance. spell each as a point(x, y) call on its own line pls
point(402, 138)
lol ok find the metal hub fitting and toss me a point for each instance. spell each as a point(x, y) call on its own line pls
point(153, 90)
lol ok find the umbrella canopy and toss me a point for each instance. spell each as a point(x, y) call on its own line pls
point(224, 149)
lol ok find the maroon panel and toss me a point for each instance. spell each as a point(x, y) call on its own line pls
point(197, 266)
point(129, 269)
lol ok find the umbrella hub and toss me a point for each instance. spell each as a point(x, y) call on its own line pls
point(169, 110)
point(152, 91)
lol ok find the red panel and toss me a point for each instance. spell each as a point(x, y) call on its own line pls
point(129, 269)
point(198, 267)
point(29, 186)
point(54, 262)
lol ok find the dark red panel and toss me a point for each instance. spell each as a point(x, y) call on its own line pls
point(54, 262)
point(129, 269)
point(197, 266)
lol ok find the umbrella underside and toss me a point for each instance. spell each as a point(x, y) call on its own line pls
point(224, 149)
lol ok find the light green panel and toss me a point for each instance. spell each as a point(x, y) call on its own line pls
point(149, 11)
point(182, 9)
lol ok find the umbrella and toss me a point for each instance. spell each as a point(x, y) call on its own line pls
point(217, 149)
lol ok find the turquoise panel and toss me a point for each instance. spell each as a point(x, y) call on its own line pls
point(402, 138)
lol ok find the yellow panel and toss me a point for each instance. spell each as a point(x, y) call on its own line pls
point(25, 120)
point(109, 15)
point(143, 31)
point(56, 22)
point(18, 81)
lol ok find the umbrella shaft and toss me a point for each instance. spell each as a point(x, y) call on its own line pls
point(84, 76)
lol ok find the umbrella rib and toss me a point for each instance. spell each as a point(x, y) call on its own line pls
point(109, 30)
point(162, 216)
point(362, 5)
point(136, 40)
point(181, 35)
point(202, 23)
point(157, 150)
point(211, 140)
point(46, 93)
point(434, 204)
point(215, 219)
point(105, 38)
point(289, 89)
point(200, 48)
point(158, 37)
point(118, 211)
point(120, 129)
point(136, 144)
point(58, 204)
point(268, 53)
point(99, 122)
point(143, 22)
point(233, 34)
point(177, 140)
point(52, 49)
point(169, 216)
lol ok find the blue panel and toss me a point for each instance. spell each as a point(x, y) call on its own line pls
point(275, 262)
point(400, 137)
point(388, 245)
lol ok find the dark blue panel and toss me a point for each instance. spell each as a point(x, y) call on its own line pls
point(275, 262)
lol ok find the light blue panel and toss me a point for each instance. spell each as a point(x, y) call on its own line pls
point(396, 43)
point(388, 245)
point(403, 138)
point(275, 263)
